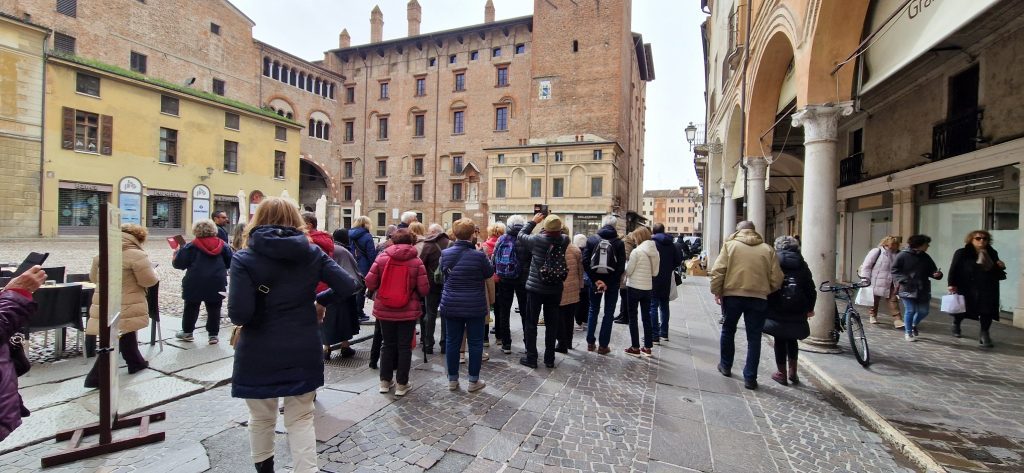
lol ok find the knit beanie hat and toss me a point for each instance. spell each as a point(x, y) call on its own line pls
point(552, 223)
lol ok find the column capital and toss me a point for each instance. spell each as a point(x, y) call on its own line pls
point(716, 148)
point(821, 122)
point(727, 189)
point(757, 168)
point(714, 199)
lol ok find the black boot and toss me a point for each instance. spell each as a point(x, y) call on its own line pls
point(985, 340)
point(956, 330)
point(265, 466)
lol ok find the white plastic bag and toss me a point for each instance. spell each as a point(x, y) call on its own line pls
point(953, 304)
point(673, 292)
point(865, 297)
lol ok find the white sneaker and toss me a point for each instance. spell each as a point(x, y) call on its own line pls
point(476, 386)
point(453, 385)
point(402, 390)
point(385, 386)
point(909, 337)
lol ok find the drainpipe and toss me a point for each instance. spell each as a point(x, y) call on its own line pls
point(42, 136)
point(743, 112)
point(366, 126)
point(437, 127)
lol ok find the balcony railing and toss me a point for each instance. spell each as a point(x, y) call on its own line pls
point(851, 170)
point(957, 136)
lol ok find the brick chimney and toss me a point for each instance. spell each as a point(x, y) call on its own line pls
point(415, 15)
point(344, 40)
point(376, 25)
point(489, 12)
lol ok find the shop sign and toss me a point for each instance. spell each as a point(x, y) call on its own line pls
point(161, 193)
point(200, 209)
point(131, 207)
point(130, 185)
point(201, 192)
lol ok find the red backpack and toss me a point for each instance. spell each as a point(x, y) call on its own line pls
point(394, 291)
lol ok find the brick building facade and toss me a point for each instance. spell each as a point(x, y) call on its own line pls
point(550, 107)
point(680, 210)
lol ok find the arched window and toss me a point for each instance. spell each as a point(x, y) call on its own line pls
point(319, 129)
point(320, 125)
point(309, 83)
point(266, 66)
point(302, 80)
point(276, 73)
point(312, 127)
point(284, 73)
point(318, 86)
point(291, 78)
point(327, 131)
point(288, 115)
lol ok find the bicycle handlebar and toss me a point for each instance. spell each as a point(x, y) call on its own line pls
point(827, 286)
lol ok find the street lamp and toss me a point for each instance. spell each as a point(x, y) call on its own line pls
point(691, 134)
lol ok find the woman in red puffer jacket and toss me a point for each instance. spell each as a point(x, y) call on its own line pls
point(397, 306)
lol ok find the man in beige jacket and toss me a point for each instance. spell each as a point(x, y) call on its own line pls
point(745, 272)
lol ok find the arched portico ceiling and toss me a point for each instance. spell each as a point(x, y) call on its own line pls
point(762, 106)
point(837, 31)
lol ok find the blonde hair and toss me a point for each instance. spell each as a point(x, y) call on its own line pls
point(890, 239)
point(363, 222)
point(496, 229)
point(204, 228)
point(641, 234)
point(274, 211)
point(418, 229)
point(138, 231)
point(463, 228)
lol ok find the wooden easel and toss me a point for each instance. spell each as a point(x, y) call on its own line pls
point(106, 354)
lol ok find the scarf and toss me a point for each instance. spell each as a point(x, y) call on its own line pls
point(984, 260)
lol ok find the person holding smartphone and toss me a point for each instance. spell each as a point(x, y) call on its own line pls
point(206, 261)
point(16, 307)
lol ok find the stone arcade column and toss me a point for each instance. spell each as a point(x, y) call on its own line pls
point(820, 123)
point(713, 235)
point(757, 171)
point(728, 211)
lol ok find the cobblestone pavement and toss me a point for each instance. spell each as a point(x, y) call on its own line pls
point(673, 412)
point(961, 403)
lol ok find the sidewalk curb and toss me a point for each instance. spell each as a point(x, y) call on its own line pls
point(874, 420)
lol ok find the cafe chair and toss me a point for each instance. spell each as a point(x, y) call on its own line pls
point(58, 307)
point(55, 274)
point(77, 277)
point(4, 280)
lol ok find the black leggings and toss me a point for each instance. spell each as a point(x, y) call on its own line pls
point(985, 321)
point(785, 348)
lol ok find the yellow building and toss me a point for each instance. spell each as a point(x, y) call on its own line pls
point(21, 131)
point(575, 179)
point(165, 154)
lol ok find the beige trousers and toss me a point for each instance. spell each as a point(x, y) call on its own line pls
point(298, 421)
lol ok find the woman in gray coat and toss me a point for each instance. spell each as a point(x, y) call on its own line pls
point(877, 268)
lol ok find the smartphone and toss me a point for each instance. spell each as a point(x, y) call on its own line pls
point(541, 209)
point(33, 259)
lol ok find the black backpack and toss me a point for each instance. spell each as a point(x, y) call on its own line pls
point(791, 296)
point(554, 270)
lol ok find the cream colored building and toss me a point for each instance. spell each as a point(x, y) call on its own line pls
point(22, 47)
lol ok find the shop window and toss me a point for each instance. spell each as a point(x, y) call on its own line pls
point(164, 212)
point(78, 211)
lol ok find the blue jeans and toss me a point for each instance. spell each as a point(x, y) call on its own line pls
point(639, 303)
point(660, 325)
point(754, 311)
point(611, 297)
point(914, 311)
point(473, 328)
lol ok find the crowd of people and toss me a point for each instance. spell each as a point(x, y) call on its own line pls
point(296, 293)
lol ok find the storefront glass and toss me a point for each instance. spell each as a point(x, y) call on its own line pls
point(866, 230)
point(164, 213)
point(79, 211)
point(947, 223)
point(585, 224)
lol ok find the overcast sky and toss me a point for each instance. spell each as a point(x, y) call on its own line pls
point(307, 28)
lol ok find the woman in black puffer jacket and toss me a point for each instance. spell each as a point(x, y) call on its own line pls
point(790, 307)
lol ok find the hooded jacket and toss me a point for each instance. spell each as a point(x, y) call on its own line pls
point(15, 310)
point(137, 275)
point(206, 261)
point(746, 267)
point(793, 266)
point(671, 258)
point(362, 248)
point(488, 246)
point(609, 233)
point(464, 294)
point(433, 245)
point(325, 242)
point(539, 248)
point(911, 270)
point(278, 351)
point(523, 255)
point(643, 266)
point(403, 255)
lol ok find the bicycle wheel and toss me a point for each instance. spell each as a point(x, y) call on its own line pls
point(858, 339)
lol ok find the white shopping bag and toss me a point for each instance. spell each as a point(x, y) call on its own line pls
point(953, 304)
point(865, 297)
point(673, 292)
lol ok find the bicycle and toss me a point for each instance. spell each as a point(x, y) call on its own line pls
point(850, 321)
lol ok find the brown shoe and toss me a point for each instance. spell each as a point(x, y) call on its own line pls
point(603, 350)
point(591, 347)
point(897, 322)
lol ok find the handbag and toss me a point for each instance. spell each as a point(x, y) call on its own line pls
point(953, 304)
point(16, 347)
point(865, 296)
point(678, 277)
point(261, 306)
point(673, 292)
point(791, 329)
